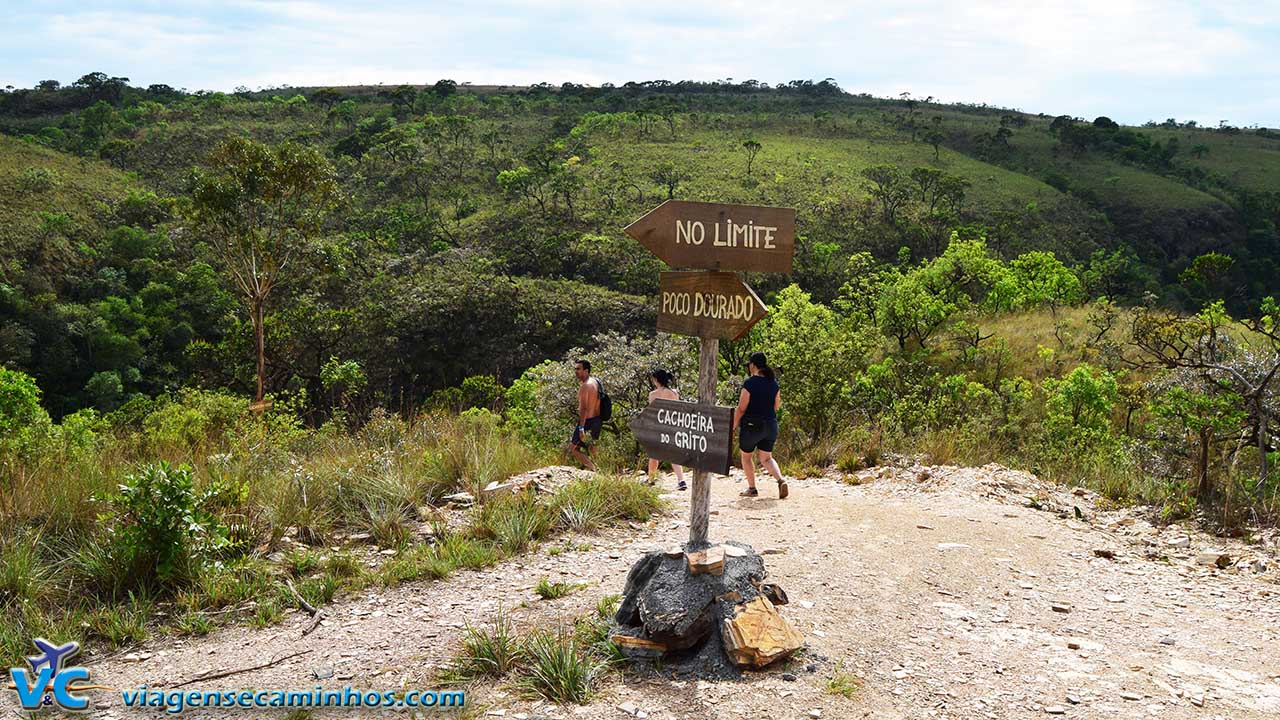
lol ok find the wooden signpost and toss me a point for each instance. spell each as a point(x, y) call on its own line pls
point(716, 236)
point(711, 306)
point(690, 434)
point(707, 304)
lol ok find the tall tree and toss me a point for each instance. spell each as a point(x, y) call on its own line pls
point(260, 206)
point(752, 146)
point(668, 175)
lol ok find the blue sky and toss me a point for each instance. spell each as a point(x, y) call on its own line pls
point(1133, 60)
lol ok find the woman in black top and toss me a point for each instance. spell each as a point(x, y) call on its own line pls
point(756, 419)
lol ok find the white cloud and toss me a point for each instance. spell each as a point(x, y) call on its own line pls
point(1131, 59)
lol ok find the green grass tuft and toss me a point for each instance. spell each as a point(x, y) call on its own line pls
point(559, 668)
point(492, 651)
point(843, 683)
point(548, 590)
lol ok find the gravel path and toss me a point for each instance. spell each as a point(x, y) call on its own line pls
point(936, 586)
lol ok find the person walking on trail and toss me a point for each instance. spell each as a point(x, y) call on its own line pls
point(756, 420)
point(660, 379)
point(589, 420)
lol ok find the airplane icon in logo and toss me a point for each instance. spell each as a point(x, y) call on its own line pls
point(53, 657)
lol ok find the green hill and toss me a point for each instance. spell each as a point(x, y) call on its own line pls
point(53, 202)
point(529, 188)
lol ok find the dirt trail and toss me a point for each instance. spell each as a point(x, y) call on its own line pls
point(936, 586)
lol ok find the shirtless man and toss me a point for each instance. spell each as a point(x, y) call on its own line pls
point(589, 422)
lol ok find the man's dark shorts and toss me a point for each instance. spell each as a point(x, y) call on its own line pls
point(761, 439)
point(581, 440)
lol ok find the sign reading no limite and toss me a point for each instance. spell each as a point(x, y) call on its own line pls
point(707, 304)
point(719, 236)
point(695, 435)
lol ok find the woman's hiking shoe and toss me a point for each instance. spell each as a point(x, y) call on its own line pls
point(682, 486)
point(783, 490)
point(750, 492)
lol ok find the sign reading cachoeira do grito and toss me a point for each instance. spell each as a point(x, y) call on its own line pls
point(695, 435)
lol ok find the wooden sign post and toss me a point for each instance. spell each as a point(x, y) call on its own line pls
point(695, 435)
point(707, 304)
point(711, 306)
point(716, 236)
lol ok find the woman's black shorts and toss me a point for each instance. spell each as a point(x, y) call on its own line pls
point(761, 439)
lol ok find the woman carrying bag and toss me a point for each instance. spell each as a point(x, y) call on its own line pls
point(756, 419)
point(661, 380)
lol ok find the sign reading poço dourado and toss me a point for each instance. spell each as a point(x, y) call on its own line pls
point(695, 435)
point(707, 304)
point(718, 236)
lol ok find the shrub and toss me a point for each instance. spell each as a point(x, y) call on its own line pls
point(194, 419)
point(38, 179)
point(22, 419)
point(480, 391)
point(343, 379)
point(157, 521)
point(1078, 408)
point(523, 414)
point(816, 353)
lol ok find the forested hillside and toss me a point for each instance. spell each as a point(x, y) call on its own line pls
point(499, 210)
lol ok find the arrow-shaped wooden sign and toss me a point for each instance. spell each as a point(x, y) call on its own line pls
point(695, 435)
point(716, 236)
point(707, 304)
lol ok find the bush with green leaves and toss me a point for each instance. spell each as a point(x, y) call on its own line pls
point(1193, 422)
point(38, 179)
point(23, 421)
point(623, 365)
point(1078, 407)
point(522, 411)
point(157, 522)
point(481, 391)
point(816, 353)
point(343, 379)
point(194, 419)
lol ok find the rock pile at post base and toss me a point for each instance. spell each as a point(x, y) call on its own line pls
point(710, 608)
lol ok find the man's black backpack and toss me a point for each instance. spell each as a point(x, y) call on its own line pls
point(606, 402)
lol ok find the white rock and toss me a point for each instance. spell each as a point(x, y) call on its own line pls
point(628, 707)
point(952, 546)
point(1213, 558)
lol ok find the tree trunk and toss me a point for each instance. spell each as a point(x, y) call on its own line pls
point(1202, 466)
point(259, 343)
point(1263, 469)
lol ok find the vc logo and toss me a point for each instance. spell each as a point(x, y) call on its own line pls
point(49, 681)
